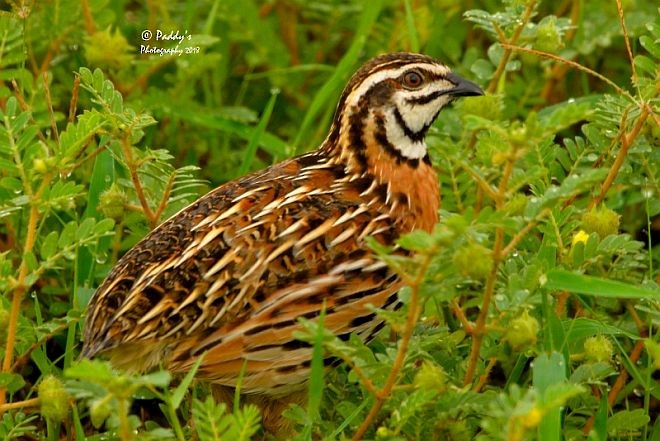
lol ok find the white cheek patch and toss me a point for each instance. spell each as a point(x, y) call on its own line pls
point(400, 141)
point(418, 116)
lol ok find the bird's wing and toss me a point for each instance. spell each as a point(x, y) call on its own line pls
point(247, 260)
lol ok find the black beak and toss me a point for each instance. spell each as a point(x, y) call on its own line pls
point(463, 87)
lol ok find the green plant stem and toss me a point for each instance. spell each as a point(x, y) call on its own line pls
point(571, 63)
point(25, 356)
point(32, 402)
point(626, 141)
point(414, 310)
point(481, 182)
point(366, 382)
point(499, 71)
point(132, 168)
point(523, 232)
point(174, 421)
point(51, 113)
point(479, 329)
point(166, 196)
point(626, 39)
point(124, 423)
point(30, 238)
point(460, 315)
point(52, 429)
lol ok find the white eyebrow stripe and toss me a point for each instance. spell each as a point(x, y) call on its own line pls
point(384, 74)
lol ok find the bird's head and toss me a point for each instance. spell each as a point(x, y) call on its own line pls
point(393, 99)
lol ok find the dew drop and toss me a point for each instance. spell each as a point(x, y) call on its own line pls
point(101, 258)
point(647, 192)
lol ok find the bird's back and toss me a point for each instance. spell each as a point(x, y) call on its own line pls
point(231, 274)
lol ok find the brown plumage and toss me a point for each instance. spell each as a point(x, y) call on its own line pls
point(231, 274)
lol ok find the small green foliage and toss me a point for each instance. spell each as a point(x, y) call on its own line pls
point(522, 331)
point(598, 349)
point(474, 260)
point(602, 220)
point(113, 202)
point(654, 351)
point(431, 377)
point(548, 35)
point(98, 55)
point(212, 423)
point(627, 422)
point(17, 425)
point(54, 399)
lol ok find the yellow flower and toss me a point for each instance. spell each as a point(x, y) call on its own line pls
point(580, 236)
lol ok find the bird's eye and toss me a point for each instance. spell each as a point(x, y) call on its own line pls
point(412, 79)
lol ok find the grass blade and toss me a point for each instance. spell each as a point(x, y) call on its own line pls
point(180, 392)
point(317, 368)
point(412, 29)
point(595, 286)
point(251, 148)
point(337, 80)
point(547, 371)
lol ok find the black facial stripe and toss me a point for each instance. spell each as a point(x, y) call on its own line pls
point(381, 137)
point(413, 136)
point(421, 100)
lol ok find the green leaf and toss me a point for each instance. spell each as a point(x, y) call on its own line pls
point(103, 226)
point(595, 286)
point(77, 135)
point(49, 245)
point(157, 379)
point(370, 12)
point(11, 184)
point(591, 372)
point(269, 142)
point(182, 388)
point(317, 369)
point(549, 372)
point(68, 235)
point(12, 382)
point(95, 371)
point(600, 422)
point(583, 327)
point(251, 149)
point(627, 421)
point(85, 228)
point(210, 419)
point(245, 424)
point(417, 240)
point(650, 45)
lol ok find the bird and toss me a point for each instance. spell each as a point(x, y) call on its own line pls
point(228, 277)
